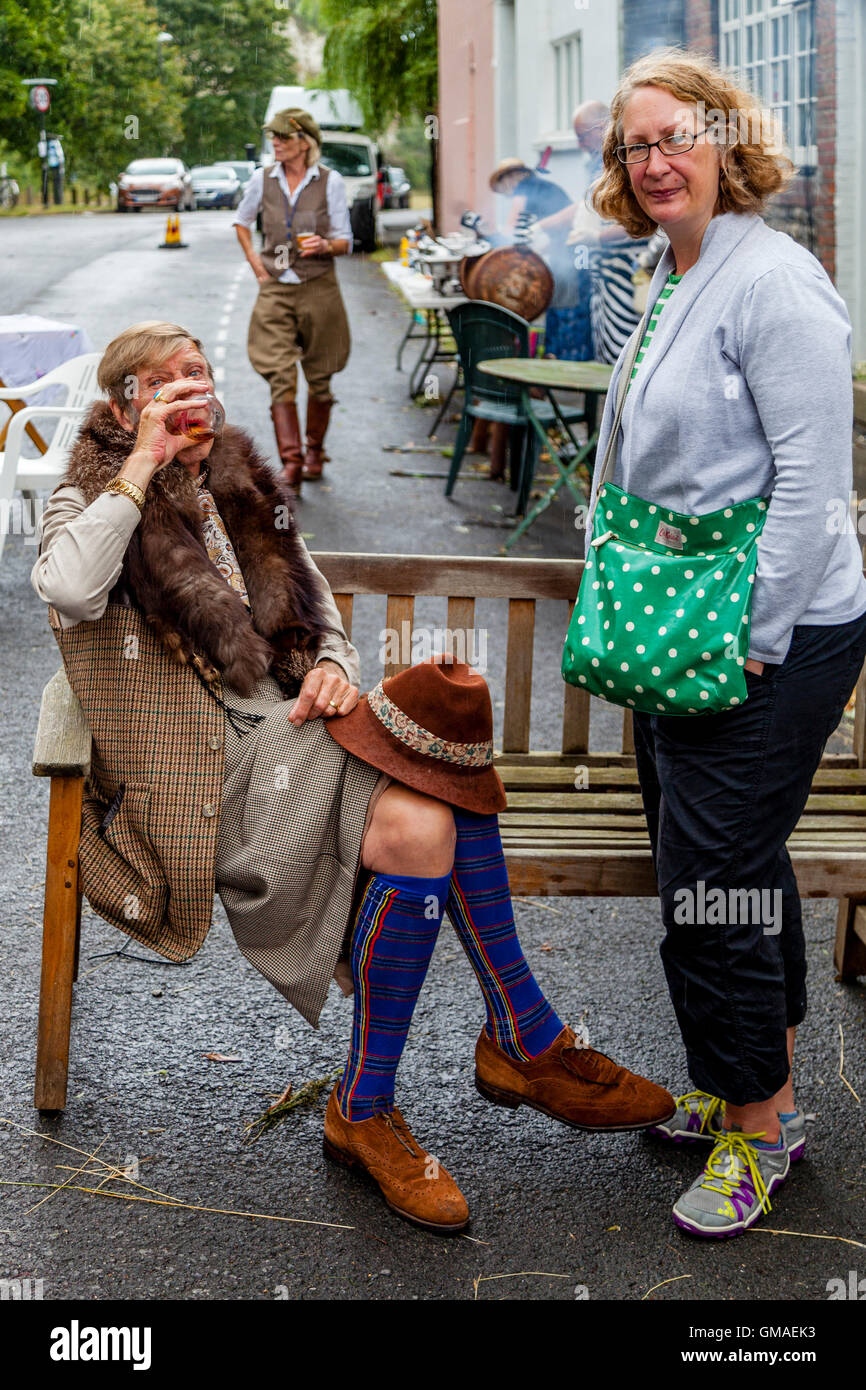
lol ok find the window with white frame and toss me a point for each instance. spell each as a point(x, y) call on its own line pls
point(771, 44)
point(567, 79)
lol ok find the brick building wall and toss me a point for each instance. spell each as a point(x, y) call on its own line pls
point(702, 26)
point(806, 208)
point(648, 24)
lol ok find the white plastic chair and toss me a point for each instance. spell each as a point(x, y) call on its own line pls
point(77, 378)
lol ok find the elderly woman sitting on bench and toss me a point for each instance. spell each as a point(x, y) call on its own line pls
point(231, 753)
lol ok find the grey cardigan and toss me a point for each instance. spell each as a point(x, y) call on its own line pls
point(745, 391)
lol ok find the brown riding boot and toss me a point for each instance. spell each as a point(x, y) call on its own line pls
point(414, 1184)
point(577, 1085)
point(318, 415)
point(287, 430)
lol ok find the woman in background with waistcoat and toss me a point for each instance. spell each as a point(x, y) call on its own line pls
point(299, 315)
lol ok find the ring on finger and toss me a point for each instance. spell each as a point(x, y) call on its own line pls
point(334, 704)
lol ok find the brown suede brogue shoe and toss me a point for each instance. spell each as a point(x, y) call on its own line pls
point(577, 1085)
point(413, 1183)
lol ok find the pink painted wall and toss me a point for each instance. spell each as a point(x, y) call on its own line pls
point(466, 109)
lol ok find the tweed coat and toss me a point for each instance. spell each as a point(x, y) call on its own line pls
point(167, 763)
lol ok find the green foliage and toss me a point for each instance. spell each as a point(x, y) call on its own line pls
point(235, 53)
point(408, 146)
point(386, 53)
point(31, 34)
point(25, 170)
point(122, 95)
point(123, 91)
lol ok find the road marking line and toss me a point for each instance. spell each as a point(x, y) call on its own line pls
point(219, 374)
point(222, 335)
point(219, 353)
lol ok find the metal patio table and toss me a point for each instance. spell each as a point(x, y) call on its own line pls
point(550, 375)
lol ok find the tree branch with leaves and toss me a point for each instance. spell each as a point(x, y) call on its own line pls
point(386, 53)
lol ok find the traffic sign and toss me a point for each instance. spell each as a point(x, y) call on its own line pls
point(40, 98)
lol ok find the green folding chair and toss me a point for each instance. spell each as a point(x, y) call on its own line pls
point(482, 331)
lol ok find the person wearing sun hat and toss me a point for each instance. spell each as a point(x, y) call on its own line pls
point(431, 729)
point(299, 315)
point(538, 209)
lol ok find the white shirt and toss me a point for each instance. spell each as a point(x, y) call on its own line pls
point(338, 211)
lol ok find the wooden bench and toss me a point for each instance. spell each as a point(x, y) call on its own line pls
point(561, 839)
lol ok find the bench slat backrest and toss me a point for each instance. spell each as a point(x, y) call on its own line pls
point(462, 580)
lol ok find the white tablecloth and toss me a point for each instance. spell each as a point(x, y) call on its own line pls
point(30, 346)
point(417, 290)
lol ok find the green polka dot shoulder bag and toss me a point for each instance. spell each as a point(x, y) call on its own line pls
point(661, 621)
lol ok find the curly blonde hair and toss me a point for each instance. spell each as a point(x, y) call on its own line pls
point(754, 163)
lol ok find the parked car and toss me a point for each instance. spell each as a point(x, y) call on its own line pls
point(215, 186)
point(395, 186)
point(244, 168)
point(356, 158)
point(161, 183)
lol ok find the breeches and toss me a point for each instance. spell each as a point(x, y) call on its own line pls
point(303, 323)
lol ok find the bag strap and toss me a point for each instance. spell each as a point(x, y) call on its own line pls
point(629, 360)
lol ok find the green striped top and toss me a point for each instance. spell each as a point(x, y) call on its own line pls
point(667, 290)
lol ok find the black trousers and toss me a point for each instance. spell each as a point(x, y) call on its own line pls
point(722, 793)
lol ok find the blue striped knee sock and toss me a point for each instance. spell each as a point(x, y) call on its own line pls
point(519, 1019)
point(394, 934)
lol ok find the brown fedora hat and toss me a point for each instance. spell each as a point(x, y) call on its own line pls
point(430, 727)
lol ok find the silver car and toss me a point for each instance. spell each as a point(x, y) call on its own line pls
point(215, 186)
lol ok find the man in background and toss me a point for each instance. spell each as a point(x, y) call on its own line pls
point(571, 338)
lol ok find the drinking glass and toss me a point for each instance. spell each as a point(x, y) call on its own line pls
point(199, 421)
point(303, 226)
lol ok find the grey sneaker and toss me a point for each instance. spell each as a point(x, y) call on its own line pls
point(795, 1134)
point(698, 1119)
point(734, 1188)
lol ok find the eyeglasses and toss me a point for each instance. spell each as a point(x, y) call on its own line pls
point(679, 143)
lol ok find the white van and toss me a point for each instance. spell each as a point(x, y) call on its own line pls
point(344, 148)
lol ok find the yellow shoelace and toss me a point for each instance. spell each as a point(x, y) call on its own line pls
point(740, 1160)
point(707, 1105)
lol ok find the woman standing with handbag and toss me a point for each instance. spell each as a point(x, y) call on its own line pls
point(729, 423)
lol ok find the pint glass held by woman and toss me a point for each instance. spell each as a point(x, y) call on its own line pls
point(303, 227)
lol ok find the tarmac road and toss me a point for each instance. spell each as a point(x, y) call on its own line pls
point(584, 1212)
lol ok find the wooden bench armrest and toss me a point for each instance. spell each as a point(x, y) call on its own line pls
point(62, 747)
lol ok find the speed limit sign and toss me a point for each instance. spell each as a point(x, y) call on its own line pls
point(40, 98)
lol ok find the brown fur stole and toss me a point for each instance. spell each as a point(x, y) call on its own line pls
point(168, 574)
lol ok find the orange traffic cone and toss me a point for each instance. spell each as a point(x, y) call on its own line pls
point(172, 235)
